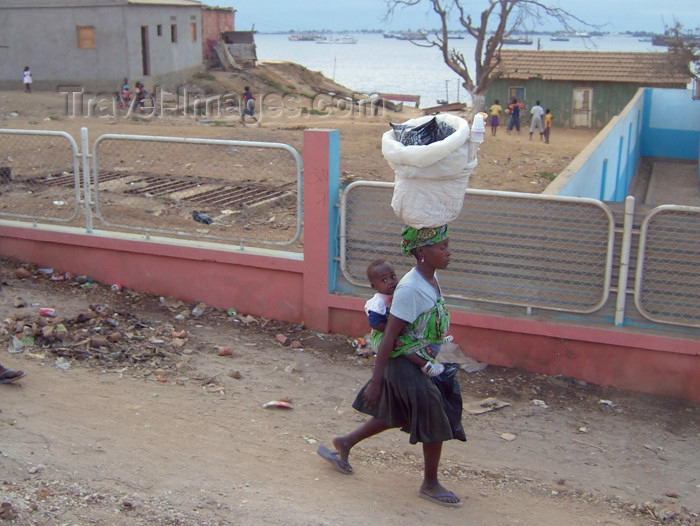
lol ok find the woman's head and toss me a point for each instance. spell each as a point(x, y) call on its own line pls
point(431, 244)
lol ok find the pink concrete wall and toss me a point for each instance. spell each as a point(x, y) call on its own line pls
point(298, 289)
point(253, 284)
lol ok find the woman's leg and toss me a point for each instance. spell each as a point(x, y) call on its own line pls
point(431, 487)
point(344, 444)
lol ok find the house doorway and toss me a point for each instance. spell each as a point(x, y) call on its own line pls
point(583, 104)
point(145, 54)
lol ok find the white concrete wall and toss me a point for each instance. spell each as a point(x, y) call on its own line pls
point(45, 39)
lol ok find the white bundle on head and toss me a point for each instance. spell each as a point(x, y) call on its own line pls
point(430, 179)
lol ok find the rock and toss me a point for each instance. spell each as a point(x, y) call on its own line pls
point(97, 342)
point(20, 303)
point(296, 344)
point(47, 332)
point(7, 512)
point(114, 337)
point(22, 273)
point(235, 374)
point(199, 309)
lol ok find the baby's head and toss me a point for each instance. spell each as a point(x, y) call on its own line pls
point(382, 277)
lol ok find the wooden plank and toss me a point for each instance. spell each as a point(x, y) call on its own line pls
point(401, 97)
point(453, 106)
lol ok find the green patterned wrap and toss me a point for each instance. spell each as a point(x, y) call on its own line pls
point(414, 238)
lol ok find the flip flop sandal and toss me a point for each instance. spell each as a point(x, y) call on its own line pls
point(334, 458)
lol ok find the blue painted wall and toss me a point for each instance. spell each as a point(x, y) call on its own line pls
point(656, 123)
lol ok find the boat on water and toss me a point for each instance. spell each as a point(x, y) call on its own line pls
point(559, 38)
point(345, 39)
point(518, 41)
point(306, 37)
point(411, 35)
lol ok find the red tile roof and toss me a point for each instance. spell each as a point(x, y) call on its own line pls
point(591, 66)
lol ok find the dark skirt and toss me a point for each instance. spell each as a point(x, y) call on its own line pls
point(411, 400)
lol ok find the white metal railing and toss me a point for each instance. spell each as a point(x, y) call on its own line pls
point(35, 173)
point(538, 252)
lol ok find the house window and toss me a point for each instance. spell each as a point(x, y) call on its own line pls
point(173, 33)
point(86, 37)
point(193, 27)
point(516, 91)
point(159, 30)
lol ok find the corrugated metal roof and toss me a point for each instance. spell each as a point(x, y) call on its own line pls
point(591, 66)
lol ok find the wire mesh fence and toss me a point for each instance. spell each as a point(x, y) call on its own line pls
point(516, 249)
point(227, 190)
point(39, 176)
point(667, 286)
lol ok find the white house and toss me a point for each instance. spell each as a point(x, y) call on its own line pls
point(95, 44)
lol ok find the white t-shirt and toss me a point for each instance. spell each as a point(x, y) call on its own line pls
point(378, 303)
point(413, 296)
point(537, 111)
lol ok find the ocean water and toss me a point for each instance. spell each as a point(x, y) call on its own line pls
point(387, 65)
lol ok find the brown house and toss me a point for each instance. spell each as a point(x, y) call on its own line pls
point(581, 88)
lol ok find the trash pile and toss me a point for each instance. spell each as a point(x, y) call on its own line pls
point(125, 329)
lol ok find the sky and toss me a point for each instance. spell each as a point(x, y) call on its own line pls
point(349, 15)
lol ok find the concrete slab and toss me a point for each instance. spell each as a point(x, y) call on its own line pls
point(673, 183)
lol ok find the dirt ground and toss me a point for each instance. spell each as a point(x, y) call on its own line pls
point(135, 410)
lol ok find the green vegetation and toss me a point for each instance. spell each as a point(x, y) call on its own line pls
point(205, 76)
point(547, 175)
point(273, 84)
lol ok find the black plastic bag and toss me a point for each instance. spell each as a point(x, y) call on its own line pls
point(202, 218)
point(447, 384)
point(426, 133)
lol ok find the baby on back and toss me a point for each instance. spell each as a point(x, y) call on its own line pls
point(382, 277)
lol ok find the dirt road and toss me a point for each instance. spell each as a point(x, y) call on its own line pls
point(159, 428)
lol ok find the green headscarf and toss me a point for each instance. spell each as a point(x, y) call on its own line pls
point(414, 238)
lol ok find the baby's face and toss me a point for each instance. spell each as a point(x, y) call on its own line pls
point(384, 279)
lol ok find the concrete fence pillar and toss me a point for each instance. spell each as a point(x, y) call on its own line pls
point(321, 193)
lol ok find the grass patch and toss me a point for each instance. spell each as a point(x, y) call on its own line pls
point(547, 175)
point(205, 76)
point(54, 118)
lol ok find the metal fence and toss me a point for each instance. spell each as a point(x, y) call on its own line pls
point(229, 191)
point(538, 252)
point(138, 179)
point(667, 282)
point(40, 178)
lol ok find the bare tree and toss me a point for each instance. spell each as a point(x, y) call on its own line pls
point(684, 49)
point(500, 20)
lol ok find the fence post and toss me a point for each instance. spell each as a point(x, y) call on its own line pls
point(321, 190)
point(85, 168)
point(624, 261)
